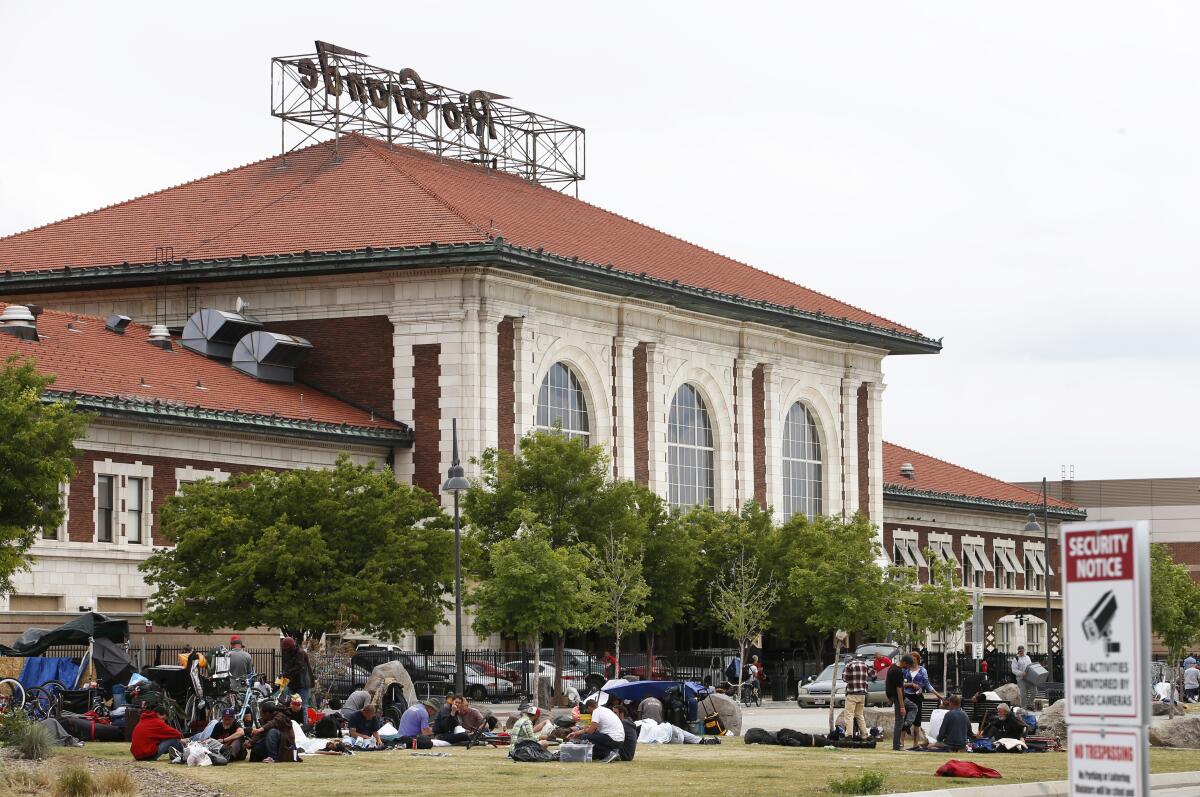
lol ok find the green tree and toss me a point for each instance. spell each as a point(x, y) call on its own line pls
point(721, 539)
point(620, 587)
point(940, 604)
point(741, 598)
point(1174, 606)
point(670, 564)
point(534, 588)
point(36, 448)
point(297, 550)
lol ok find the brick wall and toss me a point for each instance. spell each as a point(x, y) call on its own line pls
point(864, 450)
point(81, 500)
point(427, 416)
point(351, 358)
point(989, 579)
point(758, 399)
point(506, 435)
point(1188, 555)
point(641, 416)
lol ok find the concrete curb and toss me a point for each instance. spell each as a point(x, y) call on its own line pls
point(1049, 788)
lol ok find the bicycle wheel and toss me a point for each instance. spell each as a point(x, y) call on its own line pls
point(12, 696)
point(40, 704)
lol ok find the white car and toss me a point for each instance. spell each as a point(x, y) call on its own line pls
point(572, 680)
point(477, 685)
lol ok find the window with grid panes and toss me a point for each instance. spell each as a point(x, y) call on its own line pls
point(560, 401)
point(801, 463)
point(106, 508)
point(690, 452)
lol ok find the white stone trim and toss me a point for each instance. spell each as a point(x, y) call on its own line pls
point(124, 471)
point(826, 417)
point(716, 398)
point(190, 475)
point(593, 381)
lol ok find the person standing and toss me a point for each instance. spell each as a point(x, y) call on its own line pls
point(611, 667)
point(856, 676)
point(894, 686)
point(297, 669)
point(1020, 664)
point(916, 685)
point(240, 663)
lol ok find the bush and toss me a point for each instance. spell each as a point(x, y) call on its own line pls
point(35, 742)
point(11, 728)
point(74, 782)
point(869, 782)
point(116, 783)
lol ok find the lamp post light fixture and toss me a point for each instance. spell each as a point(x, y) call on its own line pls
point(455, 482)
point(1032, 525)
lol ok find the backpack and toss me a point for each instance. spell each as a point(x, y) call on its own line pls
point(529, 750)
point(326, 728)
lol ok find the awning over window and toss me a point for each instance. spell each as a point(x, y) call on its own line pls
point(1032, 563)
point(915, 552)
point(1045, 566)
point(1009, 557)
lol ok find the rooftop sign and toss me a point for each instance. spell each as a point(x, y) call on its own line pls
point(334, 89)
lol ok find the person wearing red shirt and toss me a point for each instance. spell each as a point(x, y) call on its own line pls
point(152, 737)
point(611, 666)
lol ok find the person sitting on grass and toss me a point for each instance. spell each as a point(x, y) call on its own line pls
point(414, 727)
point(605, 732)
point(296, 713)
point(470, 718)
point(275, 739)
point(629, 744)
point(153, 738)
point(524, 727)
point(1004, 724)
point(230, 734)
point(955, 730)
point(365, 725)
point(354, 703)
point(444, 721)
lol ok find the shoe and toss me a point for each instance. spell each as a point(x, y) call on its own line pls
point(176, 756)
point(611, 757)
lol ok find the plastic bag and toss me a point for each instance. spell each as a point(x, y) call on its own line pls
point(197, 755)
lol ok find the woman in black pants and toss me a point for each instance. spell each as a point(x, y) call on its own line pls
point(916, 684)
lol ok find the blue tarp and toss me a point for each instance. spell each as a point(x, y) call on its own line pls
point(38, 670)
point(637, 691)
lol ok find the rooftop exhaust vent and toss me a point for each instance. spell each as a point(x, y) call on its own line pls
point(214, 333)
point(270, 356)
point(908, 471)
point(19, 321)
point(160, 337)
point(117, 323)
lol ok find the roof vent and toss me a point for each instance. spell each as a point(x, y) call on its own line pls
point(160, 337)
point(18, 320)
point(214, 333)
point(908, 471)
point(270, 356)
point(117, 323)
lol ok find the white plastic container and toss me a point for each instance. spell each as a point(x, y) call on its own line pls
point(574, 753)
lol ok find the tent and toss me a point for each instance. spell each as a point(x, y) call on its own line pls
point(637, 691)
point(111, 662)
point(79, 631)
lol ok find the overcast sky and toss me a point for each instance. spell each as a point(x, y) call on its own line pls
point(1019, 179)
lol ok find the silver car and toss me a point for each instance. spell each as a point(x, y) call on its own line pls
point(814, 693)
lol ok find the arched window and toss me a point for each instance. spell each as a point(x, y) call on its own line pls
point(689, 451)
point(561, 401)
point(801, 463)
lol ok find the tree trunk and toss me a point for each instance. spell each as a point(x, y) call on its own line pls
point(559, 644)
point(650, 654)
point(833, 679)
point(617, 648)
point(946, 662)
point(537, 668)
point(741, 668)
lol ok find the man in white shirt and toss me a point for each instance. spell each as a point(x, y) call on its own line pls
point(605, 732)
point(1020, 664)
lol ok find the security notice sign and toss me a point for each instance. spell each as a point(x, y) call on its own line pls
point(1106, 615)
point(1108, 762)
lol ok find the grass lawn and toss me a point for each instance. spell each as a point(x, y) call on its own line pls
point(731, 768)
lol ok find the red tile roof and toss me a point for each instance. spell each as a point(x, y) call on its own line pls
point(938, 476)
point(380, 197)
point(96, 363)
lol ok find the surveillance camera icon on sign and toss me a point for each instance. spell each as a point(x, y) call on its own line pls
point(1097, 626)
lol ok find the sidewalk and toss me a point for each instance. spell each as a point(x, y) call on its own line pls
point(1167, 784)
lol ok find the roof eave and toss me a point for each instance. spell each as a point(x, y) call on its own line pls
point(185, 415)
point(933, 497)
point(572, 271)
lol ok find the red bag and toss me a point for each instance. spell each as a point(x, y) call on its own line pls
point(965, 769)
point(314, 716)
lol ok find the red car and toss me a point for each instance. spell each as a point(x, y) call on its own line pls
point(492, 671)
point(661, 671)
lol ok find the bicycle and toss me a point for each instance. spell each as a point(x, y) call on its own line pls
point(12, 696)
point(42, 701)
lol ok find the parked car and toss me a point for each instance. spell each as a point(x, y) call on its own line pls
point(815, 692)
point(419, 666)
point(635, 665)
point(492, 671)
point(476, 684)
point(576, 659)
point(572, 678)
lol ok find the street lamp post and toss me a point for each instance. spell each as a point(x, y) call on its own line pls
point(455, 482)
point(1032, 525)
